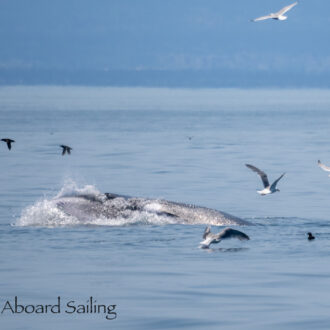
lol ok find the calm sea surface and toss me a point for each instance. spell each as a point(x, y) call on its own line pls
point(184, 145)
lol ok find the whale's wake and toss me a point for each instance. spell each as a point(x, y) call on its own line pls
point(74, 206)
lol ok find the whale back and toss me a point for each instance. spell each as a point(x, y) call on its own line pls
point(112, 206)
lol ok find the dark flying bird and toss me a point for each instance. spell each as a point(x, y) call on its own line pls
point(9, 142)
point(66, 149)
point(227, 233)
point(269, 189)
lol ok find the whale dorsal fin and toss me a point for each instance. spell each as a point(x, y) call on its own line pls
point(113, 196)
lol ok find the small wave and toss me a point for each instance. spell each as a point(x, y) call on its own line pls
point(285, 221)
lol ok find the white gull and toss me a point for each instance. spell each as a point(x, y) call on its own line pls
point(227, 233)
point(268, 189)
point(278, 15)
point(324, 167)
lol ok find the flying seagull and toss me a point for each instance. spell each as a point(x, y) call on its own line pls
point(278, 16)
point(210, 238)
point(9, 142)
point(269, 189)
point(324, 167)
point(66, 149)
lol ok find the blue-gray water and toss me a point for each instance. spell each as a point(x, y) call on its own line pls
point(135, 142)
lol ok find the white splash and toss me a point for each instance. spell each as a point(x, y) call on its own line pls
point(47, 213)
point(70, 188)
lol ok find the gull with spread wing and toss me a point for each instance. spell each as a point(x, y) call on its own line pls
point(324, 167)
point(227, 233)
point(268, 189)
point(278, 16)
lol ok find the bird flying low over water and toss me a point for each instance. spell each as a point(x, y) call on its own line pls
point(66, 149)
point(324, 167)
point(9, 142)
point(278, 15)
point(227, 233)
point(269, 189)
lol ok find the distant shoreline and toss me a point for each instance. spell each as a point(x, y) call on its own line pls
point(162, 78)
point(108, 98)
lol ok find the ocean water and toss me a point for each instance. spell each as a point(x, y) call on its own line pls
point(182, 145)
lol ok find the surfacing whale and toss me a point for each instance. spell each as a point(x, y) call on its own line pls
point(113, 206)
